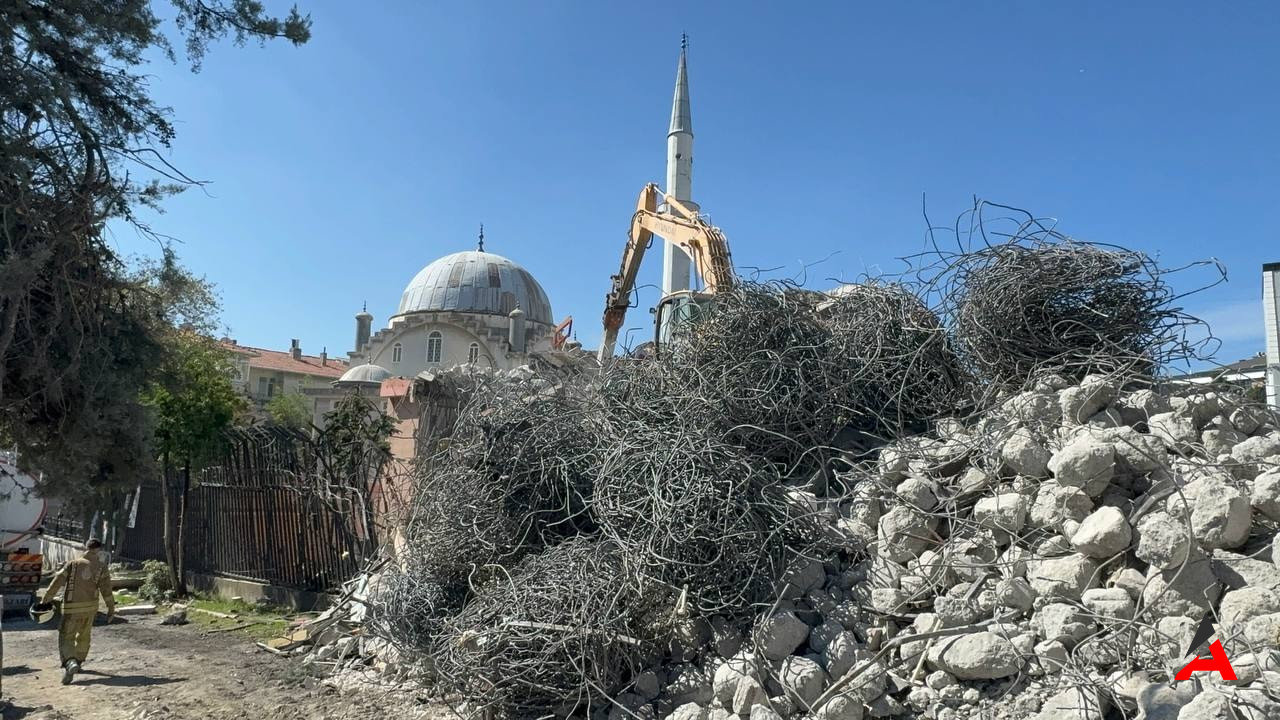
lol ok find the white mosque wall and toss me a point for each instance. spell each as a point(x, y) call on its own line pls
point(455, 348)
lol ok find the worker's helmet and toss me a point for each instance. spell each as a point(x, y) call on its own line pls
point(42, 612)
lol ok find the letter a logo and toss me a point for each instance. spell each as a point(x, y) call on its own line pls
point(1217, 660)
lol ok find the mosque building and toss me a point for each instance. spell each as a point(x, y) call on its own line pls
point(476, 307)
point(471, 307)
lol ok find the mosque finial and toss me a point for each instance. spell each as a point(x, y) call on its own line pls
point(684, 41)
point(365, 306)
point(481, 246)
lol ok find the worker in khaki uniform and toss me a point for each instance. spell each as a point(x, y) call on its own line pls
point(85, 578)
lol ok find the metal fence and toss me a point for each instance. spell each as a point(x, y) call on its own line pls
point(260, 514)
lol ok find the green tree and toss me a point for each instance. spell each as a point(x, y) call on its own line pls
point(290, 410)
point(193, 403)
point(81, 143)
point(353, 452)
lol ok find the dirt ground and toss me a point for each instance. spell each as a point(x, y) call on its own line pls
point(141, 670)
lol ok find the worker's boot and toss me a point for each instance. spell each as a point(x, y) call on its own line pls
point(69, 671)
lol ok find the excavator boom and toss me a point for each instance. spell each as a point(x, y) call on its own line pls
point(682, 227)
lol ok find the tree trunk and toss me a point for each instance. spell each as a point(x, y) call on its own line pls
point(181, 587)
point(170, 542)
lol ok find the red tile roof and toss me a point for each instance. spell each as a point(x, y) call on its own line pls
point(284, 362)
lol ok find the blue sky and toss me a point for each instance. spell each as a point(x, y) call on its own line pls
point(338, 169)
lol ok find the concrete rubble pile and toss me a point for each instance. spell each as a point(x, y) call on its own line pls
point(1052, 558)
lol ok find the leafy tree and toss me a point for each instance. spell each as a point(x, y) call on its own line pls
point(354, 451)
point(290, 410)
point(80, 144)
point(193, 403)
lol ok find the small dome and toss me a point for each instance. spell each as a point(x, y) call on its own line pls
point(367, 373)
point(477, 282)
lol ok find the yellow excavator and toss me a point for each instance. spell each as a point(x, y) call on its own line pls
point(681, 226)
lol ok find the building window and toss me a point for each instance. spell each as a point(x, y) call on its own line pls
point(473, 353)
point(435, 347)
point(266, 387)
point(395, 352)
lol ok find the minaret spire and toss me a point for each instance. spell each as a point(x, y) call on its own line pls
point(675, 263)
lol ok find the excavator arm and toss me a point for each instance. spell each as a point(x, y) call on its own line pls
point(682, 227)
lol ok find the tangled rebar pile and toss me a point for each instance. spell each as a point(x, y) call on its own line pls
point(1020, 296)
point(908, 371)
point(559, 634)
point(551, 493)
point(782, 370)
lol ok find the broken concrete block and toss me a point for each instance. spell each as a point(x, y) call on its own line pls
point(976, 656)
point(1265, 493)
point(1074, 703)
point(1062, 622)
point(1114, 603)
point(840, 708)
point(747, 693)
point(1256, 449)
point(1221, 516)
point(1024, 454)
point(1239, 606)
point(1055, 503)
point(1237, 571)
point(1050, 656)
point(1015, 593)
point(1102, 534)
point(1087, 463)
point(1136, 452)
point(688, 711)
point(822, 635)
point(803, 574)
point(919, 493)
point(1218, 440)
point(1163, 541)
point(839, 654)
point(1079, 403)
point(763, 712)
point(1034, 407)
point(1135, 407)
point(803, 680)
point(1249, 418)
point(1188, 591)
point(1006, 512)
point(894, 461)
point(1130, 580)
point(904, 533)
point(144, 609)
point(1176, 430)
point(780, 635)
point(1065, 577)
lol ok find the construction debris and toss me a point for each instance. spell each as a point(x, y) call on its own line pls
point(177, 615)
point(729, 531)
point(136, 610)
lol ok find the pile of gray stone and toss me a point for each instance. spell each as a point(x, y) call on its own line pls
point(1052, 558)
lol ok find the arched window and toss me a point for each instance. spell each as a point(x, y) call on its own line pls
point(435, 347)
point(473, 353)
point(396, 351)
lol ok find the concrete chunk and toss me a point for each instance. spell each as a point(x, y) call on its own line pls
point(976, 656)
point(1086, 462)
point(1102, 534)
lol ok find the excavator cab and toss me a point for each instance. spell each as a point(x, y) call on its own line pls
point(677, 313)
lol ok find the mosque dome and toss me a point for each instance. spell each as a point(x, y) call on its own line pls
point(477, 282)
point(367, 373)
